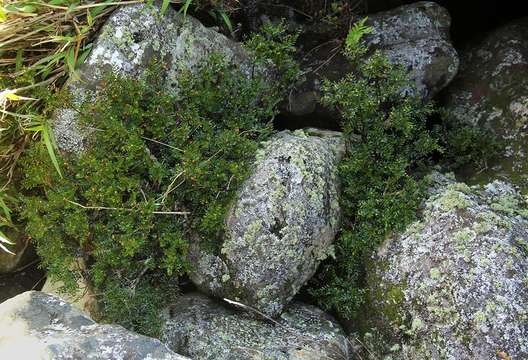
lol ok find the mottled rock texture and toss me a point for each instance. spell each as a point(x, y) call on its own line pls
point(454, 284)
point(203, 329)
point(132, 38)
point(415, 36)
point(282, 224)
point(491, 91)
point(35, 325)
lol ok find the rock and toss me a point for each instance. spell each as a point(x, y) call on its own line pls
point(203, 329)
point(491, 91)
point(415, 36)
point(454, 284)
point(133, 37)
point(35, 325)
point(282, 224)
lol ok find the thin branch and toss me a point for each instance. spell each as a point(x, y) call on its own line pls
point(125, 209)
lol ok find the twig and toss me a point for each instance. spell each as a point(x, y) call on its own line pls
point(162, 143)
point(287, 328)
point(25, 266)
point(125, 209)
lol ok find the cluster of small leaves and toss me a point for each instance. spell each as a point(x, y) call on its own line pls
point(161, 169)
point(386, 137)
point(466, 146)
point(275, 45)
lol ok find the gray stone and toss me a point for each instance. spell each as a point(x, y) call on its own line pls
point(491, 92)
point(202, 329)
point(282, 223)
point(133, 37)
point(35, 325)
point(454, 284)
point(415, 36)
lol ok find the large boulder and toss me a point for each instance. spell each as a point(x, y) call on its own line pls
point(491, 91)
point(202, 329)
point(35, 325)
point(454, 284)
point(132, 38)
point(415, 36)
point(282, 223)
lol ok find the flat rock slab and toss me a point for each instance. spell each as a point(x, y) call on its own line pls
point(203, 329)
point(35, 325)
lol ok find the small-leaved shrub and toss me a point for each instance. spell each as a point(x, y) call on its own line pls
point(161, 170)
point(386, 138)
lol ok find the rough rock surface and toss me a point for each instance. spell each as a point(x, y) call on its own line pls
point(133, 37)
point(491, 91)
point(35, 325)
point(415, 36)
point(454, 285)
point(281, 226)
point(202, 329)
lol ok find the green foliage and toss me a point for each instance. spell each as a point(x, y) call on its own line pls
point(466, 146)
point(354, 36)
point(386, 138)
point(161, 170)
point(275, 45)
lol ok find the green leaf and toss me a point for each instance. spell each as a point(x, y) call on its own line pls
point(356, 32)
point(84, 54)
point(89, 17)
point(226, 19)
point(5, 209)
point(49, 140)
point(99, 8)
point(19, 59)
point(185, 7)
point(3, 15)
point(164, 7)
point(70, 60)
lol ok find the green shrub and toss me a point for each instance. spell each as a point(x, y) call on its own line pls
point(386, 137)
point(160, 170)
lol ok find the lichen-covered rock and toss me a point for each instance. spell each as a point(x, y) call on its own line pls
point(133, 37)
point(454, 285)
point(491, 91)
point(415, 36)
point(203, 329)
point(281, 225)
point(35, 325)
